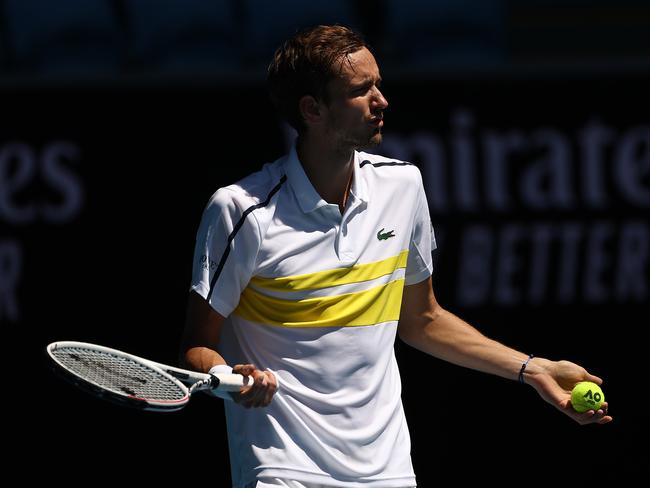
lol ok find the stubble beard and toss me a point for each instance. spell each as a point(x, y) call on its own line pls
point(361, 141)
point(368, 143)
point(376, 139)
point(362, 138)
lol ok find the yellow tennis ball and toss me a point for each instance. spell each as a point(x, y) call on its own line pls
point(586, 396)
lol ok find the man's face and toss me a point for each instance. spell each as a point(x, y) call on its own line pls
point(355, 112)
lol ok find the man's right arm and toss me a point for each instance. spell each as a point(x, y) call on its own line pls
point(201, 335)
point(199, 353)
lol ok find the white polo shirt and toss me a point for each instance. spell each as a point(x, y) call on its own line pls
point(314, 296)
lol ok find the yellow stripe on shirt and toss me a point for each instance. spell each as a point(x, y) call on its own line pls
point(369, 307)
point(333, 277)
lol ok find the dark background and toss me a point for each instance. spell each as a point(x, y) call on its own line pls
point(113, 137)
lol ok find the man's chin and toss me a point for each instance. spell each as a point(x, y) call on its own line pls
point(374, 141)
point(367, 142)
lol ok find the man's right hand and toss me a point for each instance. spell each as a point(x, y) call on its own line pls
point(261, 392)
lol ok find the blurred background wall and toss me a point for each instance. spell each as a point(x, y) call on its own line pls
point(530, 123)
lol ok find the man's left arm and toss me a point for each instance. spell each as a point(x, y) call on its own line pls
point(426, 326)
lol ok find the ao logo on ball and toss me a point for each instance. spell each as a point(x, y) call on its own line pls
point(587, 396)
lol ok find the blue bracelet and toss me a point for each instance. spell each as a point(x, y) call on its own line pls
point(523, 367)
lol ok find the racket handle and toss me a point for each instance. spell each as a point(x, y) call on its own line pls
point(229, 382)
point(222, 385)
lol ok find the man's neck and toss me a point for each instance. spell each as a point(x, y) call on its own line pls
point(329, 169)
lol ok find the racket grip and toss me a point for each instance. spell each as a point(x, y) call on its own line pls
point(229, 382)
point(223, 385)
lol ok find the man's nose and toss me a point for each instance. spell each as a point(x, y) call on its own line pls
point(380, 101)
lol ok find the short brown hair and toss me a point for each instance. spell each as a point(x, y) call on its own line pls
point(305, 64)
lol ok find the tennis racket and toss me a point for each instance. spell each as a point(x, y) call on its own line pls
point(133, 381)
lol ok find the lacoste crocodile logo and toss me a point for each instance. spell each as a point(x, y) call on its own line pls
point(382, 236)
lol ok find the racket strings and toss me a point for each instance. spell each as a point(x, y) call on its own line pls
point(119, 374)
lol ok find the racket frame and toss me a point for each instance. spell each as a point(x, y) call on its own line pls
point(187, 381)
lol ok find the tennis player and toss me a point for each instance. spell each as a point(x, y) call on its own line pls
point(305, 272)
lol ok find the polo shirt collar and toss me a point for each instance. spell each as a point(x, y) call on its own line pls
point(307, 196)
point(359, 188)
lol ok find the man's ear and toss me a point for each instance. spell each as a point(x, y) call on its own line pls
point(310, 110)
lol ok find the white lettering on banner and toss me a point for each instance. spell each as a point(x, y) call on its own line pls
point(464, 155)
point(508, 265)
point(633, 166)
point(539, 262)
point(23, 168)
point(17, 171)
point(570, 236)
point(633, 258)
point(10, 271)
point(593, 140)
point(491, 170)
point(594, 275)
point(498, 149)
point(496, 172)
point(547, 182)
point(63, 180)
point(475, 273)
point(433, 156)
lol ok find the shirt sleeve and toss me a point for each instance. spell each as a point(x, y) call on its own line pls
point(419, 265)
point(225, 252)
